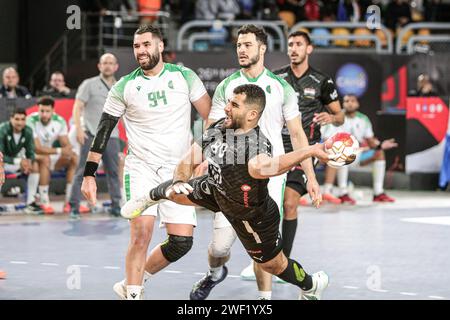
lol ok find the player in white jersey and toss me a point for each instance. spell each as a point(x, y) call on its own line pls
point(154, 102)
point(281, 108)
point(372, 152)
point(53, 150)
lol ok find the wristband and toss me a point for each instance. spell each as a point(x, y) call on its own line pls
point(90, 168)
point(58, 150)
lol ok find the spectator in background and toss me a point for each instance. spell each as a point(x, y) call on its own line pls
point(247, 9)
point(398, 14)
point(10, 87)
point(311, 10)
point(89, 101)
point(57, 87)
point(149, 8)
point(216, 9)
point(348, 10)
point(53, 150)
point(424, 87)
point(17, 147)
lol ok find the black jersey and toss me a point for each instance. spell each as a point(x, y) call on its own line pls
point(236, 192)
point(314, 90)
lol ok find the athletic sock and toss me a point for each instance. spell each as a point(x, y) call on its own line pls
point(43, 194)
point(215, 273)
point(295, 274)
point(147, 276)
point(32, 185)
point(327, 188)
point(135, 292)
point(265, 295)
point(288, 230)
point(68, 191)
point(342, 179)
point(159, 192)
point(379, 168)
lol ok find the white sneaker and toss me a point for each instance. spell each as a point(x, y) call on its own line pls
point(320, 283)
point(248, 273)
point(133, 208)
point(121, 289)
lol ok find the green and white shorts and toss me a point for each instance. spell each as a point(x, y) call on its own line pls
point(140, 177)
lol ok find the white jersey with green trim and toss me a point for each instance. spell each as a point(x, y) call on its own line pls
point(49, 133)
point(156, 112)
point(359, 126)
point(281, 103)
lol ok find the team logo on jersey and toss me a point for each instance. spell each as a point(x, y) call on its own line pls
point(205, 188)
point(309, 92)
point(268, 89)
point(246, 188)
point(170, 84)
point(334, 95)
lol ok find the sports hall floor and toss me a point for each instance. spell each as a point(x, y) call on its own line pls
point(382, 251)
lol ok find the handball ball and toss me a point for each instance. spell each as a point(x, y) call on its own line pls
point(344, 147)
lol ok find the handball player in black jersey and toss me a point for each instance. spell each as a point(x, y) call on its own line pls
point(239, 168)
point(318, 104)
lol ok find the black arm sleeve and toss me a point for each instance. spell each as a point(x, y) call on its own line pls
point(329, 92)
point(104, 129)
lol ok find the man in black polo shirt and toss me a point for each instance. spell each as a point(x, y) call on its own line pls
point(319, 105)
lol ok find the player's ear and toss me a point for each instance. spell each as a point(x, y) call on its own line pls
point(161, 46)
point(309, 49)
point(262, 49)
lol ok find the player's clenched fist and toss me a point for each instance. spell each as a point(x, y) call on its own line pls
point(89, 189)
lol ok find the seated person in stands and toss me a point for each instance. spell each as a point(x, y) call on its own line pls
point(57, 87)
point(53, 150)
point(10, 87)
point(424, 87)
point(372, 152)
point(17, 147)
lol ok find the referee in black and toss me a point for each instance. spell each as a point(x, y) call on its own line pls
point(318, 103)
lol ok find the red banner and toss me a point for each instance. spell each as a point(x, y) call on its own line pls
point(431, 112)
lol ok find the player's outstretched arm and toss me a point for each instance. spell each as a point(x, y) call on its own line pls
point(104, 129)
point(263, 167)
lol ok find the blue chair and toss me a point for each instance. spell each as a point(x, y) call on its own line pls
point(320, 32)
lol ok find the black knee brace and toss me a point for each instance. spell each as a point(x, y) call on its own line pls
point(175, 247)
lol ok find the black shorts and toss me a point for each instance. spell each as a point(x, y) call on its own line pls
point(296, 179)
point(260, 235)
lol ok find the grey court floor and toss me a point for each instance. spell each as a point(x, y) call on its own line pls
point(370, 251)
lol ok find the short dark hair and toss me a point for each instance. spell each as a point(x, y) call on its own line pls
point(303, 34)
point(57, 72)
point(18, 110)
point(46, 101)
point(155, 31)
point(253, 95)
point(259, 32)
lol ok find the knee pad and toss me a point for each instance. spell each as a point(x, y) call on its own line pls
point(222, 241)
point(175, 247)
